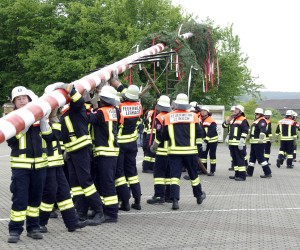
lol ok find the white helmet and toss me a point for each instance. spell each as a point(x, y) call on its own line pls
point(240, 107)
point(232, 108)
point(268, 112)
point(289, 112)
point(108, 94)
point(182, 99)
point(259, 111)
point(194, 104)
point(205, 107)
point(132, 93)
point(32, 95)
point(164, 101)
point(18, 91)
point(295, 114)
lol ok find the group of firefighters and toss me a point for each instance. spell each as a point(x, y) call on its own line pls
point(82, 157)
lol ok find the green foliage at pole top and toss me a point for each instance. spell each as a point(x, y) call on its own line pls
point(191, 52)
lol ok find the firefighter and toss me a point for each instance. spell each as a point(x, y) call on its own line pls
point(161, 167)
point(238, 132)
point(57, 188)
point(106, 150)
point(295, 115)
point(287, 129)
point(210, 141)
point(78, 148)
point(126, 175)
point(257, 139)
point(148, 138)
point(226, 125)
point(269, 136)
point(182, 129)
point(28, 161)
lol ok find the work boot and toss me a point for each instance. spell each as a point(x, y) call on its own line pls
point(91, 213)
point(175, 205)
point(211, 174)
point(156, 200)
point(78, 225)
point(35, 234)
point(137, 204)
point(266, 176)
point(239, 179)
point(13, 238)
point(109, 219)
point(232, 177)
point(201, 198)
point(290, 166)
point(231, 169)
point(278, 163)
point(97, 220)
point(43, 229)
point(124, 206)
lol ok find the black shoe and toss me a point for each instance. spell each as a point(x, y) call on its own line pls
point(266, 176)
point(53, 215)
point(78, 225)
point(136, 206)
point(175, 205)
point(231, 169)
point(232, 177)
point(97, 220)
point(278, 163)
point(201, 198)
point(35, 234)
point(239, 179)
point(269, 163)
point(248, 175)
point(109, 219)
point(43, 229)
point(186, 177)
point(156, 200)
point(290, 166)
point(211, 174)
point(148, 171)
point(13, 238)
point(294, 160)
point(124, 206)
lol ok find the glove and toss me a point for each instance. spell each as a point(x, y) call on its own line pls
point(204, 146)
point(295, 141)
point(44, 125)
point(261, 138)
point(94, 100)
point(276, 138)
point(241, 144)
point(114, 76)
point(52, 87)
point(53, 117)
point(227, 139)
point(154, 147)
point(59, 85)
point(86, 96)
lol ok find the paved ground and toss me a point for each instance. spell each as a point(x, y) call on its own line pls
point(256, 214)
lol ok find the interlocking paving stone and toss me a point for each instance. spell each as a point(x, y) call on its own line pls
point(255, 214)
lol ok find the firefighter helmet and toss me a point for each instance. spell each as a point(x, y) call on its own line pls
point(259, 111)
point(289, 112)
point(108, 94)
point(268, 112)
point(241, 108)
point(232, 108)
point(132, 93)
point(164, 101)
point(18, 91)
point(182, 99)
point(205, 107)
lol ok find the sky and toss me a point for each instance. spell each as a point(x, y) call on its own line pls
point(269, 32)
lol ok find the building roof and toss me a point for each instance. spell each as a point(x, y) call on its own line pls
point(281, 104)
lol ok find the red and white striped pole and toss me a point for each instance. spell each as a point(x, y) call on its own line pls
point(16, 121)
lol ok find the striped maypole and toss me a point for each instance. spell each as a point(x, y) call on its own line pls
point(16, 121)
